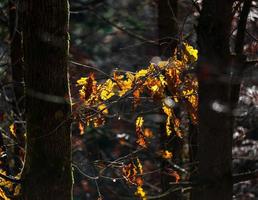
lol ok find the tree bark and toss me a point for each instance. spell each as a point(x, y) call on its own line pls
point(47, 170)
point(16, 56)
point(16, 50)
point(215, 121)
point(168, 32)
point(167, 27)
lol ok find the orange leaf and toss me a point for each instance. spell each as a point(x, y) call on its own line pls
point(81, 128)
point(175, 175)
point(167, 154)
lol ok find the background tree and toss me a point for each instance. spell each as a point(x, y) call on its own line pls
point(47, 169)
point(215, 122)
point(168, 40)
point(167, 26)
point(18, 80)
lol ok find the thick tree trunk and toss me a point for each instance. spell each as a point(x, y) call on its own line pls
point(47, 171)
point(215, 121)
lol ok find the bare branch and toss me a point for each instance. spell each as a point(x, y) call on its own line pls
point(237, 178)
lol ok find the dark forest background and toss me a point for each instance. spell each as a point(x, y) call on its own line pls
point(129, 35)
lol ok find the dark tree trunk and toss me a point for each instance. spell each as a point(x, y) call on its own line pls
point(168, 32)
point(240, 58)
point(16, 51)
point(167, 26)
point(18, 79)
point(47, 171)
point(215, 121)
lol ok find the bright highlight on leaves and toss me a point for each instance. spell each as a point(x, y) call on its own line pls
point(140, 132)
point(167, 83)
point(166, 80)
point(141, 193)
point(167, 154)
point(6, 185)
point(132, 172)
point(12, 129)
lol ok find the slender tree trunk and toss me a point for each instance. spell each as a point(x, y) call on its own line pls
point(16, 50)
point(18, 79)
point(168, 31)
point(240, 58)
point(47, 171)
point(167, 26)
point(215, 122)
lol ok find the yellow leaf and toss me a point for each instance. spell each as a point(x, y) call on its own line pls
point(155, 88)
point(141, 73)
point(82, 81)
point(139, 132)
point(105, 95)
point(107, 90)
point(139, 121)
point(168, 126)
point(103, 108)
point(130, 76)
point(139, 166)
point(141, 193)
point(125, 86)
point(2, 195)
point(192, 52)
point(167, 110)
point(162, 80)
point(12, 129)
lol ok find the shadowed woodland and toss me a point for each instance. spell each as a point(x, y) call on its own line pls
point(124, 100)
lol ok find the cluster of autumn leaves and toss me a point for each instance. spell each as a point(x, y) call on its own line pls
point(168, 83)
point(8, 185)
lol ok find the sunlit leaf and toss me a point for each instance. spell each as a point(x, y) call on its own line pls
point(167, 154)
point(81, 128)
point(141, 193)
point(12, 129)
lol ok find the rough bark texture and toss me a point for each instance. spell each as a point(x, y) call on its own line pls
point(215, 122)
point(47, 171)
point(167, 26)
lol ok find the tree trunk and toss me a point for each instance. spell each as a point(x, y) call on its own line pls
point(18, 79)
point(215, 121)
point(47, 171)
point(167, 27)
point(16, 50)
point(168, 31)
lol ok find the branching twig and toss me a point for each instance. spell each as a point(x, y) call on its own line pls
point(128, 32)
